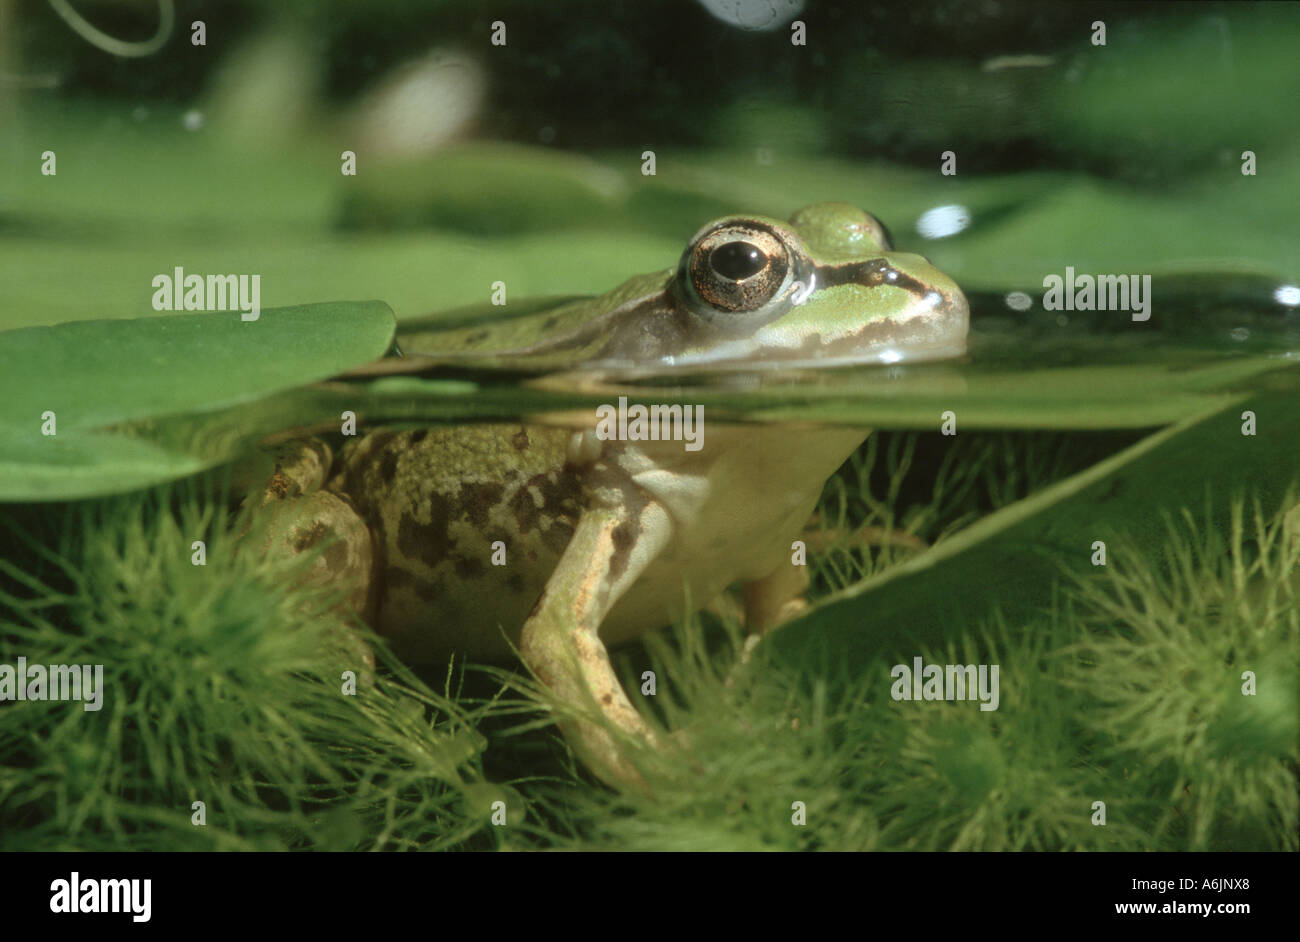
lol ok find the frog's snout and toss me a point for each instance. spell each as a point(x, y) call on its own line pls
point(950, 312)
point(936, 297)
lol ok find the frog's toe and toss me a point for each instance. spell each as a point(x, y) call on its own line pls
point(300, 467)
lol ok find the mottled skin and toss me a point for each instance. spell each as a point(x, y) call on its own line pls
point(604, 540)
point(435, 501)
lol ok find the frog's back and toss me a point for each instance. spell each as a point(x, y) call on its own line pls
point(467, 522)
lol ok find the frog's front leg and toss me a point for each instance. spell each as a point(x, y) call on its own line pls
point(619, 534)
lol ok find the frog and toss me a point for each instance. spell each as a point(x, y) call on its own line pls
point(556, 542)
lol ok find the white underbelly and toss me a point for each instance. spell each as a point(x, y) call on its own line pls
point(735, 513)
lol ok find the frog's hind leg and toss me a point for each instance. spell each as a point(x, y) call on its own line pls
point(304, 519)
point(619, 533)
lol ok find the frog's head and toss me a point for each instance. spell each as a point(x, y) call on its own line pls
point(824, 288)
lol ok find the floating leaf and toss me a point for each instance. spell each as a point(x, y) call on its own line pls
point(1012, 560)
point(131, 374)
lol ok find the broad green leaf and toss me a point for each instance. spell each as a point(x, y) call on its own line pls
point(84, 464)
point(97, 373)
point(1012, 561)
point(1117, 111)
point(151, 378)
point(526, 188)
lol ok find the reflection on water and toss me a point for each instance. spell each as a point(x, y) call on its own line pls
point(1208, 341)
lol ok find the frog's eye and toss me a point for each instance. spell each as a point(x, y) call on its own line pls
point(739, 274)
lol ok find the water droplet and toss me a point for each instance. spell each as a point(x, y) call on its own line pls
point(1018, 301)
point(1287, 294)
point(943, 221)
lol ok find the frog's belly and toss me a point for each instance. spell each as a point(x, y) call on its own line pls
point(735, 517)
point(469, 522)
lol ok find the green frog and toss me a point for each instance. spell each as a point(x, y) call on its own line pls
point(559, 541)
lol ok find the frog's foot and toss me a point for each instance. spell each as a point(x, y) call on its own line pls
point(299, 467)
point(304, 520)
point(775, 599)
point(616, 538)
point(770, 602)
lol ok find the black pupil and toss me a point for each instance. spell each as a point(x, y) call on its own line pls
point(737, 260)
